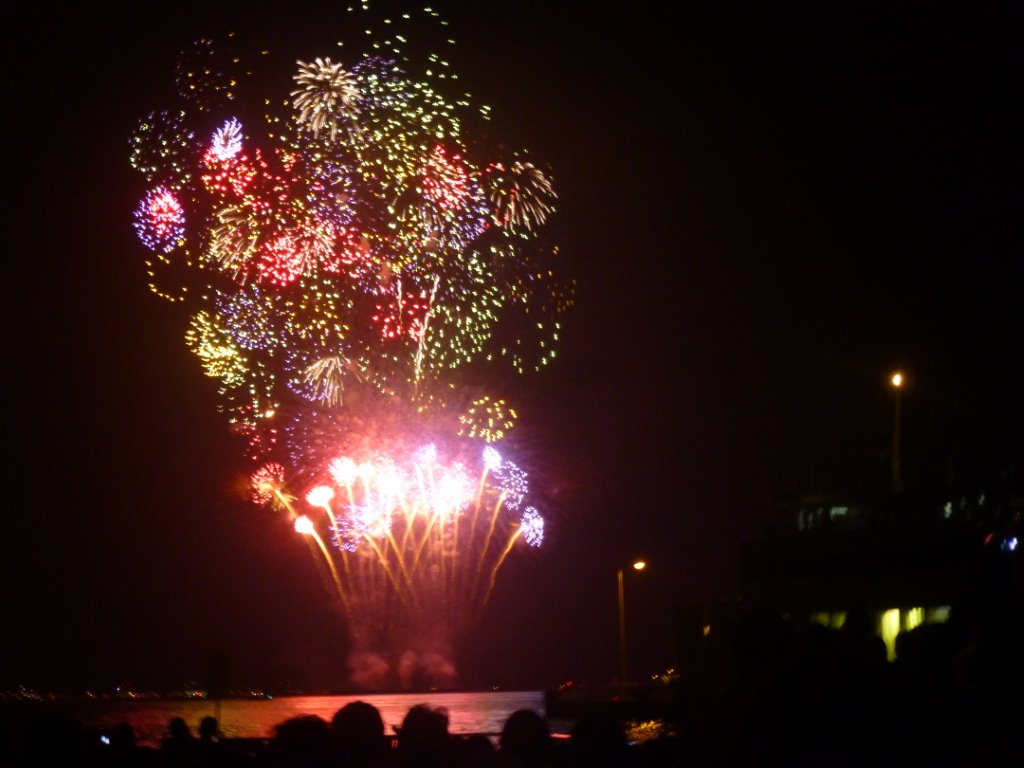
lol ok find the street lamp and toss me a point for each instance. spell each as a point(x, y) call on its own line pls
point(897, 380)
point(639, 565)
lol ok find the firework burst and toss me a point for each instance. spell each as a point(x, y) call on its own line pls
point(160, 220)
point(521, 194)
point(353, 258)
point(327, 96)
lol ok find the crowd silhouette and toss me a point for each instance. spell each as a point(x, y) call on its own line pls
point(767, 692)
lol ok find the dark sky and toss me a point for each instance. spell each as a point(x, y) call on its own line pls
point(767, 210)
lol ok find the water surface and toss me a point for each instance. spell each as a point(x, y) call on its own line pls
point(476, 712)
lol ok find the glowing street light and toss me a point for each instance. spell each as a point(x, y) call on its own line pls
point(897, 380)
point(638, 565)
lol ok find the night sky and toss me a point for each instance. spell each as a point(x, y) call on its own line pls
point(767, 210)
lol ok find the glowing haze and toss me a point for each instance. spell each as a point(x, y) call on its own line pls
point(352, 261)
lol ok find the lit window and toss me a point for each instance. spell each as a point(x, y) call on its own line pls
point(913, 617)
point(938, 614)
point(890, 626)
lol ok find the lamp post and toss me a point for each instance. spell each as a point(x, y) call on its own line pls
point(639, 565)
point(897, 381)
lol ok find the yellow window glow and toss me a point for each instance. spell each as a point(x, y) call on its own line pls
point(890, 626)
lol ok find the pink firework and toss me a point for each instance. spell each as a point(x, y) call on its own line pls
point(343, 471)
point(160, 220)
point(228, 176)
point(452, 491)
point(445, 180)
point(350, 255)
point(266, 481)
point(283, 260)
point(405, 314)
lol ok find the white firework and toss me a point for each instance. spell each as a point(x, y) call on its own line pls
point(522, 196)
point(227, 140)
point(533, 527)
point(233, 239)
point(512, 482)
point(325, 380)
point(327, 97)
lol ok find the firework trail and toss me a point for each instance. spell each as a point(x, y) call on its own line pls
point(350, 256)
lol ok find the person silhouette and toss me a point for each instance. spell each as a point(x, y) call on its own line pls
point(423, 738)
point(180, 747)
point(358, 731)
point(526, 738)
point(211, 746)
point(304, 741)
point(598, 739)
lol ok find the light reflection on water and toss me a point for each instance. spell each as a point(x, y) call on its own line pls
point(484, 712)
